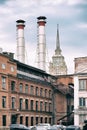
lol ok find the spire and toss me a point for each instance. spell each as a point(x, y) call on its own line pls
point(58, 50)
point(58, 65)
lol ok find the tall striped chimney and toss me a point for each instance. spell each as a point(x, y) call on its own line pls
point(41, 45)
point(20, 41)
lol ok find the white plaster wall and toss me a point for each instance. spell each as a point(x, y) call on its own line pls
point(76, 100)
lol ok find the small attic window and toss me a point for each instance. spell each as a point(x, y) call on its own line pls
point(3, 66)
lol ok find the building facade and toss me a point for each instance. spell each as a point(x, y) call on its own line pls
point(28, 95)
point(65, 97)
point(80, 91)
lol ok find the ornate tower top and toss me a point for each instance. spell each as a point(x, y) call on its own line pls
point(58, 65)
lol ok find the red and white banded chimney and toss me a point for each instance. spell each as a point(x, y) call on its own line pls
point(41, 46)
point(20, 41)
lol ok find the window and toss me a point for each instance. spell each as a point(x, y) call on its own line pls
point(37, 92)
point(36, 120)
point(41, 106)
point(82, 117)
point(82, 102)
point(26, 88)
point(32, 90)
point(21, 87)
point(13, 119)
point(13, 102)
point(12, 68)
point(3, 66)
point(3, 120)
point(3, 82)
point(26, 104)
point(36, 105)
point(41, 119)
point(12, 85)
point(50, 107)
point(4, 101)
point(26, 119)
point(32, 104)
point(32, 121)
point(45, 92)
point(41, 92)
point(45, 106)
point(21, 119)
point(49, 93)
point(45, 119)
point(21, 103)
point(82, 84)
point(50, 120)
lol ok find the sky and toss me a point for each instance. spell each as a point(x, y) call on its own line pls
point(71, 15)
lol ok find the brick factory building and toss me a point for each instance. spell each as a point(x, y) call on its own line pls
point(29, 95)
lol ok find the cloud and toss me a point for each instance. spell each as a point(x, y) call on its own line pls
point(82, 25)
point(48, 2)
point(69, 14)
point(75, 2)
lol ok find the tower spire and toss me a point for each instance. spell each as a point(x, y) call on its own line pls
point(57, 50)
point(58, 65)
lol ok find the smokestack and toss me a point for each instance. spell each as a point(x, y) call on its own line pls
point(20, 41)
point(41, 46)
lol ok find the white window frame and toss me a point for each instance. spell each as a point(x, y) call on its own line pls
point(82, 102)
point(82, 84)
point(3, 82)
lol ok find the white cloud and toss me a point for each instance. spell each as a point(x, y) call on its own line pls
point(53, 2)
point(75, 2)
point(70, 54)
point(82, 25)
point(3, 36)
point(9, 47)
point(56, 11)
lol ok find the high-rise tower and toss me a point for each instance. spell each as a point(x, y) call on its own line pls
point(41, 43)
point(20, 41)
point(58, 65)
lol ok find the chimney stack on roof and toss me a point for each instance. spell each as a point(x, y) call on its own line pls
point(41, 45)
point(20, 41)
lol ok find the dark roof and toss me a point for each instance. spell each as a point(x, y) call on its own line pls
point(32, 68)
